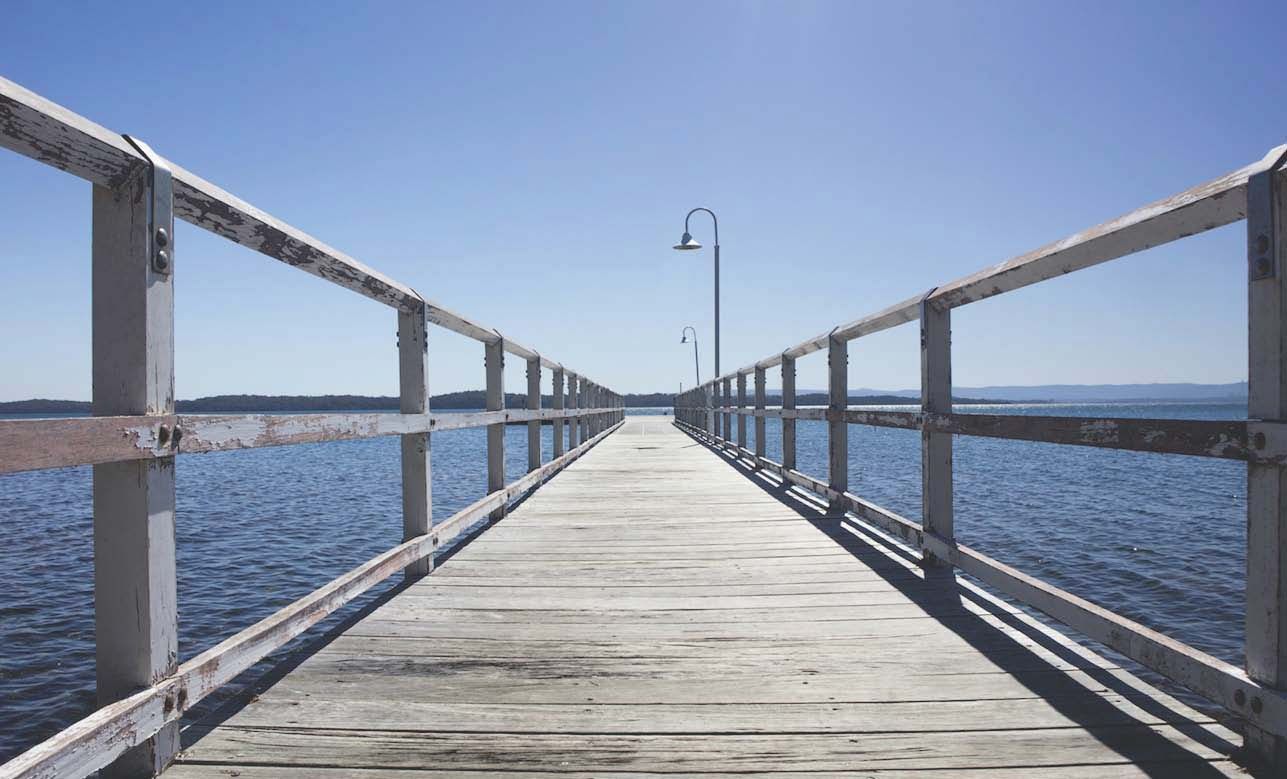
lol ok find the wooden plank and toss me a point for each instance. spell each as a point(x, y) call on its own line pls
point(584, 402)
point(759, 406)
point(1266, 602)
point(468, 717)
point(33, 444)
point(837, 430)
point(936, 447)
point(741, 404)
point(494, 362)
point(417, 481)
point(1203, 438)
point(556, 398)
point(135, 601)
point(727, 401)
point(533, 404)
point(573, 427)
point(681, 754)
point(94, 741)
point(586, 636)
point(788, 404)
point(1142, 770)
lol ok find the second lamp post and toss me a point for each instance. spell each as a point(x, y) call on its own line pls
point(686, 243)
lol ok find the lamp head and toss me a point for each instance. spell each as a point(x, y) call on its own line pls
point(687, 244)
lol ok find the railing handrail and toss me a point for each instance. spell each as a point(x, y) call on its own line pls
point(1254, 192)
point(47, 132)
point(1216, 203)
point(135, 434)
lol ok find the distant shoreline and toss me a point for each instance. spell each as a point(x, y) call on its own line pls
point(476, 399)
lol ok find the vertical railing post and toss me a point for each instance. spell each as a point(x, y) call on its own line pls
point(584, 400)
point(413, 383)
point(556, 398)
point(574, 424)
point(741, 410)
point(717, 429)
point(936, 446)
point(760, 404)
point(712, 402)
point(135, 612)
point(495, 362)
point(596, 402)
point(533, 404)
point(727, 403)
point(837, 427)
point(1266, 598)
point(788, 403)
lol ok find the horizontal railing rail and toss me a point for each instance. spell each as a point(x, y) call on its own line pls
point(134, 434)
point(1254, 193)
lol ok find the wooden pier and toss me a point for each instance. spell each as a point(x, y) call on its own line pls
point(657, 609)
point(657, 597)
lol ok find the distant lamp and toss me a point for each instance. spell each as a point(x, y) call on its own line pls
point(687, 244)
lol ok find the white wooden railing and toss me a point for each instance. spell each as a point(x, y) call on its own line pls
point(1255, 193)
point(134, 435)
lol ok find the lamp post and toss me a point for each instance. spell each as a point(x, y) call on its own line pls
point(687, 244)
point(697, 371)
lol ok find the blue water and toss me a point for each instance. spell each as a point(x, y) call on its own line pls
point(1158, 538)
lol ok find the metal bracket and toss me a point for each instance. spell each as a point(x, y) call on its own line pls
point(1262, 253)
point(160, 210)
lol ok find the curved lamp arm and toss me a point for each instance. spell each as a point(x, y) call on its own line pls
point(713, 219)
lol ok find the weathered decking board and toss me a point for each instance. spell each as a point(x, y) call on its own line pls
point(653, 610)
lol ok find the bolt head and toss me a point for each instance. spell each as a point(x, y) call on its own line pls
point(162, 238)
point(162, 260)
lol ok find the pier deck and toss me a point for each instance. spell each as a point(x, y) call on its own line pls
point(657, 609)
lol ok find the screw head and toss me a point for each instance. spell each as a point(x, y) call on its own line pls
point(162, 238)
point(1257, 705)
point(162, 260)
point(1259, 440)
point(1240, 698)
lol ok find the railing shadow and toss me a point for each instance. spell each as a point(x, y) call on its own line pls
point(943, 597)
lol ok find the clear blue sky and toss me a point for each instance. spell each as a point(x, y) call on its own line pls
point(529, 165)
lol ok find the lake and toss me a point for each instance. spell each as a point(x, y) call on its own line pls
point(1158, 538)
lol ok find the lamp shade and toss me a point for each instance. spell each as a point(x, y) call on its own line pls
point(687, 244)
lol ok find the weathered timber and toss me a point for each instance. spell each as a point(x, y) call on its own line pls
point(136, 630)
point(96, 740)
point(1208, 676)
point(417, 482)
point(570, 642)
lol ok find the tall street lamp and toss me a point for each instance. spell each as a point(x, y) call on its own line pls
point(687, 244)
point(697, 371)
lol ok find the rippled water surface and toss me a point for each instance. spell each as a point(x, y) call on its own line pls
point(1158, 538)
